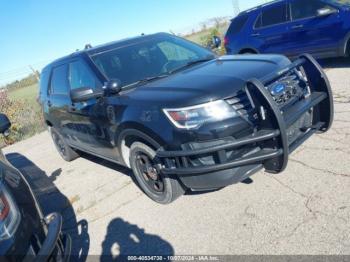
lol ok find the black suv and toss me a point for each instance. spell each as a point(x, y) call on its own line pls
point(180, 117)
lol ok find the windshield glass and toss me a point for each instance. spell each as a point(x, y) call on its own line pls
point(339, 2)
point(148, 58)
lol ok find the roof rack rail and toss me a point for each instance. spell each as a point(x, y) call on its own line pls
point(88, 46)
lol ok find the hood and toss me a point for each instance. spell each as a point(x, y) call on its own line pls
point(213, 80)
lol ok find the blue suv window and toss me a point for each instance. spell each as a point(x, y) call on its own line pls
point(301, 10)
point(272, 16)
point(237, 24)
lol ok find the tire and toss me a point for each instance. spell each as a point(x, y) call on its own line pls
point(158, 187)
point(347, 50)
point(65, 151)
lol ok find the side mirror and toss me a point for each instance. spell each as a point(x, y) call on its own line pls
point(325, 11)
point(113, 86)
point(5, 123)
point(216, 41)
point(84, 93)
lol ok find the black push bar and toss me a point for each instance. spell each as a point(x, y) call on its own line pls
point(275, 157)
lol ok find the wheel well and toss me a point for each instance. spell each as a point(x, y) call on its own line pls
point(248, 51)
point(128, 140)
point(347, 47)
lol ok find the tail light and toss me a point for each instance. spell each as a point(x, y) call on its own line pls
point(9, 214)
point(226, 41)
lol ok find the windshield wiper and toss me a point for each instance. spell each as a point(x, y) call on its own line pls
point(191, 63)
point(146, 80)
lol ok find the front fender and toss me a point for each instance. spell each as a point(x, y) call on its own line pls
point(137, 130)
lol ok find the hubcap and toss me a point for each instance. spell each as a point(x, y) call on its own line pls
point(149, 173)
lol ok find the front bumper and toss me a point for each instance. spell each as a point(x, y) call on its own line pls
point(56, 246)
point(270, 144)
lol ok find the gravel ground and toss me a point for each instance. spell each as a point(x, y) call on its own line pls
point(304, 210)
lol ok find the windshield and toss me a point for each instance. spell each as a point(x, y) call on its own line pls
point(149, 58)
point(339, 2)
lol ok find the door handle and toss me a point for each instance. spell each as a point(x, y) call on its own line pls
point(297, 26)
point(255, 34)
point(49, 104)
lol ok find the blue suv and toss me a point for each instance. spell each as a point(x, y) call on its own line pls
point(291, 27)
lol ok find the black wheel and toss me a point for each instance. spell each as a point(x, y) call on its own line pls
point(66, 152)
point(157, 186)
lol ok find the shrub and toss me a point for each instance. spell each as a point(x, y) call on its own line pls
point(26, 118)
point(207, 39)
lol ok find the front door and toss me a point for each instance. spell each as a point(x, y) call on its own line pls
point(90, 119)
point(311, 32)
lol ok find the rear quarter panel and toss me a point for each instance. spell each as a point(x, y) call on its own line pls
point(243, 39)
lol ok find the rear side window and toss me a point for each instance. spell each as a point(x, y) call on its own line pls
point(59, 80)
point(237, 24)
point(80, 75)
point(272, 16)
point(301, 10)
point(44, 82)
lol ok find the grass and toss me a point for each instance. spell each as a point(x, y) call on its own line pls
point(28, 93)
point(24, 112)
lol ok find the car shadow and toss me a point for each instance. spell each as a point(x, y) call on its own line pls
point(341, 62)
point(125, 239)
point(100, 161)
point(52, 200)
point(128, 172)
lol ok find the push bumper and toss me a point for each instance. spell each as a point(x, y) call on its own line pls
point(56, 245)
point(270, 144)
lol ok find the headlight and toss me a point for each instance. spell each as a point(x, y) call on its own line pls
point(195, 116)
point(9, 214)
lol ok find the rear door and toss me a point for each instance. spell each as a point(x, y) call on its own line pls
point(311, 33)
point(271, 28)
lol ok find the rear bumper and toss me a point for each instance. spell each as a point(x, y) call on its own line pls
point(271, 143)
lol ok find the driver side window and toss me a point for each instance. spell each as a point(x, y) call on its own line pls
point(80, 75)
point(300, 9)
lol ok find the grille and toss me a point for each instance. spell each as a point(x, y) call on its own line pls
point(241, 103)
point(293, 89)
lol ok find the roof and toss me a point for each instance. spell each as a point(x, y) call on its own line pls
point(260, 6)
point(104, 47)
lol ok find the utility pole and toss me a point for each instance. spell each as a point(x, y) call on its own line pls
point(236, 10)
point(35, 73)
